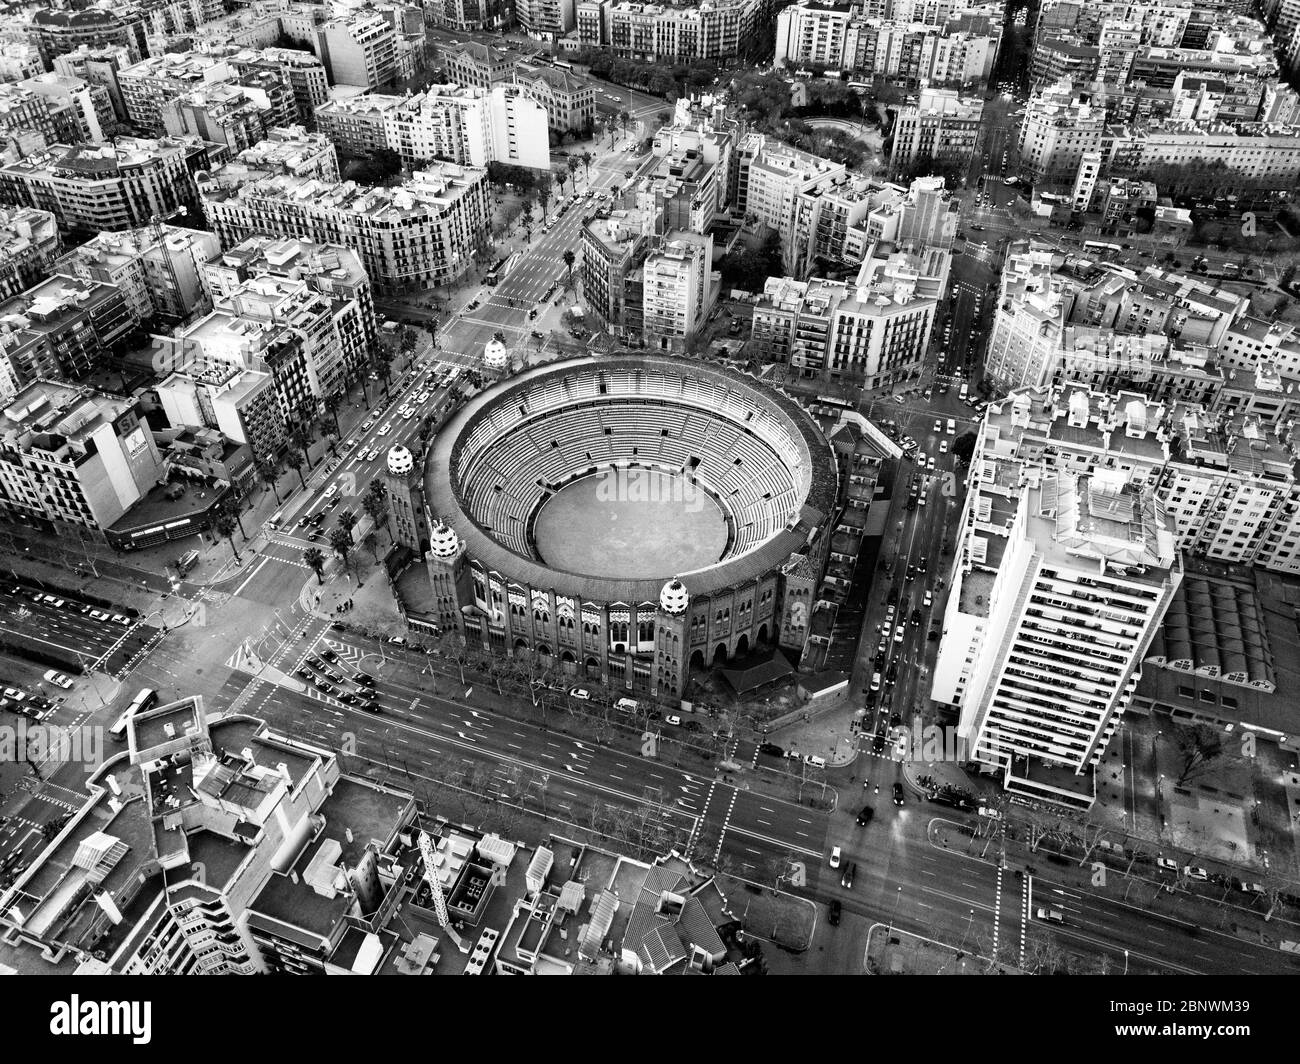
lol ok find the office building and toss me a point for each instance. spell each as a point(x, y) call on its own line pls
point(545, 20)
point(478, 65)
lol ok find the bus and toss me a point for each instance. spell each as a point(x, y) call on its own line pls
point(499, 271)
point(146, 699)
point(1097, 245)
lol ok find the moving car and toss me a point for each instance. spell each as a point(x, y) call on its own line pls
point(846, 880)
point(1051, 915)
point(898, 794)
point(833, 917)
point(875, 681)
point(864, 817)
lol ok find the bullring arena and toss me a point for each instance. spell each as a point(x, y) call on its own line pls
point(629, 518)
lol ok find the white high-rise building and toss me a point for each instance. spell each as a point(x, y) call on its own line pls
point(1061, 581)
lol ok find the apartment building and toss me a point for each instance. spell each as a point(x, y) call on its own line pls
point(191, 877)
point(871, 334)
point(570, 101)
point(545, 20)
point(614, 246)
point(704, 126)
point(360, 50)
point(1061, 581)
point(63, 110)
point(772, 175)
point(59, 32)
point(291, 151)
point(330, 270)
point(64, 327)
point(711, 29)
point(1060, 126)
point(357, 124)
point(942, 127)
point(679, 289)
point(1266, 155)
point(301, 71)
point(73, 456)
point(111, 186)
point(466, 15)
point(410, 238)
point(98, 66)
point(150, 83)
point(29, 243)
point(470, 126)
point(19, 60)
point(158, 271)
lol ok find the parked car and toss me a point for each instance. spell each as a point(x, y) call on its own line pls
point(833, 917)
point(835, 857)
point(58, 679)
point(672, 718)
point(771, 749)
point(580, 693)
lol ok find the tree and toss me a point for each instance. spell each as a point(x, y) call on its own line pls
point(586, 162)
point(294, 460)
point(270, 475)
point(347, 521)
point(963, 447)
point(526, 217)
point(381, 359)
point(225, 525)
point(341, 542)
point(315, 561)
point(569, 259)
point(544, 193)
point(303, 426)
point(375, 503)
point(1198, 745)
point(562, 176)
point(624, 120)
point(573, 165)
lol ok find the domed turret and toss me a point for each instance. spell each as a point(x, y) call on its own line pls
point(494, 354)
point(400, 461)
point(442, 541)
point(674, 597)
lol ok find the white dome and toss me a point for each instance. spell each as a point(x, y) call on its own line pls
point(400, 461)
point(442, 541)
point(674, 597)
point(494, 354)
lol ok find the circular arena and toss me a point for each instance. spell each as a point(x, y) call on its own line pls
point(576, 506)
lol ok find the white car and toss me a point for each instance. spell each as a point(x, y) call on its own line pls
point(423, 397)
point(407, 414)
point(943, 446)
point(929, 464)
point(672, 718)
point(1198, 874)
point(385, 428)
point(58, 679)
point(580, 693)
point(875, 681)
point(15, 694)
point(99, 615)
point(123, 620)
point(1051, 915)
point(331, 491)
point(898, 634)
point(835, 857)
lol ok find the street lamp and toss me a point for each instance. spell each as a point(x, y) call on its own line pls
point(1126, 962)
point(897, 898)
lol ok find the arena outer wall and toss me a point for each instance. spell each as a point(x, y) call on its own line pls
point(640, 636)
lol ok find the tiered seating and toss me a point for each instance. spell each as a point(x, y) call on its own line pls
point(515, 452)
